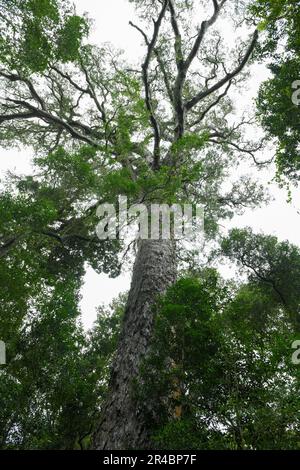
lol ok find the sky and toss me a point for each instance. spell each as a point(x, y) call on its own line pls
point(111, 24)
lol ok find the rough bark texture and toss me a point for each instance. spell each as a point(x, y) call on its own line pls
point(122, 425)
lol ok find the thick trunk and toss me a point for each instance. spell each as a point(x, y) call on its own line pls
point(122, 425)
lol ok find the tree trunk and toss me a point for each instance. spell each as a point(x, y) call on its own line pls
point(122, 426)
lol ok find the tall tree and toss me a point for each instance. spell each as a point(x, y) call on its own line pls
point(161, 133)
point(279, 97)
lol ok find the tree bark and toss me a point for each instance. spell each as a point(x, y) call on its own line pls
point(122, 425)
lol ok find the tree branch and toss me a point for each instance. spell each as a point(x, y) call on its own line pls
point(11, 117)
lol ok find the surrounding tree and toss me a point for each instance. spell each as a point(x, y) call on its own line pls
point(279, 97)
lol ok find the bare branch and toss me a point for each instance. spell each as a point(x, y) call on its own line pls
point(249, 151)
point(88, 91)
point(70, 80)
point(178, 40)
point(49, 118)
point(211, 106)
point(91, 91)
point(145, 68)
point(7, 246)
point(183, 65)
point(181, 75)
point(33, 92)
point(203, 28)
point(159, 60)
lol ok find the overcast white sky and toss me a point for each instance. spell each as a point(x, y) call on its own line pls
point(278, 218)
